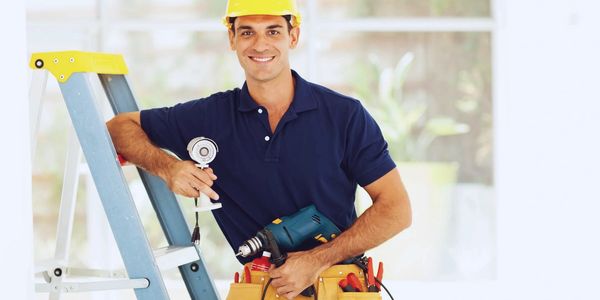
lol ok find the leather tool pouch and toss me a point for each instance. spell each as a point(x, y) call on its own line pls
point(326, 285)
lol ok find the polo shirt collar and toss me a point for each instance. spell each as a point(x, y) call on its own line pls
point(304, 99)
point(246, 101)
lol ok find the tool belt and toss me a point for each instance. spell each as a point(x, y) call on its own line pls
point(326, 286)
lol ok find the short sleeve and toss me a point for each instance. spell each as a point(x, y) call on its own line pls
point(366, 157)
point(166, 127)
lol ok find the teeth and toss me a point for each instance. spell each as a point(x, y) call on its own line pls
point(262, 59)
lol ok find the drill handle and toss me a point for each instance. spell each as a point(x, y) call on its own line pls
point(279, 260)
point(277, 257)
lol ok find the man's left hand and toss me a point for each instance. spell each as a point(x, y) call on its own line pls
point(300, 270)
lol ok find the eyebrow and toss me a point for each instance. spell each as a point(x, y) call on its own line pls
point(241, 27)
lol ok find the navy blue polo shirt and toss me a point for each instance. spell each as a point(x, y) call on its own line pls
point(324, 145)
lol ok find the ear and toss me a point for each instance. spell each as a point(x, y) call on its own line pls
point(294, 37)
point(231, 40)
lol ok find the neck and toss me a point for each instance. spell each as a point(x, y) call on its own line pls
point(275, 95)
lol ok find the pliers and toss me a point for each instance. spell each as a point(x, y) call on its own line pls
point(372, 284)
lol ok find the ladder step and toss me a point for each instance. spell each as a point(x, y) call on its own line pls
point(45, 265)
point(175, 256)
point(73, 287)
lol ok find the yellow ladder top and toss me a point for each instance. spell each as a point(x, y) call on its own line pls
point(63, 64)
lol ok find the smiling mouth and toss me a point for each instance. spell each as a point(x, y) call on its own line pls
point(262, 59)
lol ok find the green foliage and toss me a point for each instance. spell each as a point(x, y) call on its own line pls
point(406, 123)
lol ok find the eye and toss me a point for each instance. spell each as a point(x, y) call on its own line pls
point(273, 32)
point(246, 33)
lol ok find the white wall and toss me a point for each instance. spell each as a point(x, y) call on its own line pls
point(16, 255)
point(548, 148)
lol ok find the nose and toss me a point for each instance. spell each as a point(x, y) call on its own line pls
point(260, 43)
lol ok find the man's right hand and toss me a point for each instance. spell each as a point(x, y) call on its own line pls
point(185, 178)
point(182, 177)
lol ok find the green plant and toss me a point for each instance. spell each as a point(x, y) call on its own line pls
point(406, 123)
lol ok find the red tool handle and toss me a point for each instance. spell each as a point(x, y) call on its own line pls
point(236, 277)
point(379, 275)
point(345, 286)
point(371, 287)
point(354, 282)
point(247, 275)
point(370, 275)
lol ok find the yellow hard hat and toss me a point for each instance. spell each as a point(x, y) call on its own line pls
point(238, 8)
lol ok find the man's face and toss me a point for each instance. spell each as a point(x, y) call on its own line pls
point(262, 45)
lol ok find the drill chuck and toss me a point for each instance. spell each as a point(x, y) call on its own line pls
point(250, 247)
point(263, 241)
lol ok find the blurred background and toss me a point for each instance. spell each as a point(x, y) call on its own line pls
point(430, 73)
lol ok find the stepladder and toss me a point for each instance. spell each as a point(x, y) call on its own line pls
point(76, 73)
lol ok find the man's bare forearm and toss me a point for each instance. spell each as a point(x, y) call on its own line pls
point(389, 215)
point(133, 144)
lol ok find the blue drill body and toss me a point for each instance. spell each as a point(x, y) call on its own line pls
point(303, 230)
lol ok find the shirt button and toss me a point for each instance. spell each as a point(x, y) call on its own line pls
point(267, 138)
point(260, 110)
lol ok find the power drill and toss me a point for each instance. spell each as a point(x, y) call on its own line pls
point(302, 229)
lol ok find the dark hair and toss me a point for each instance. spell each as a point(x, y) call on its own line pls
point(288, 18)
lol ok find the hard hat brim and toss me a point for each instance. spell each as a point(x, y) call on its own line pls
point(296, 19)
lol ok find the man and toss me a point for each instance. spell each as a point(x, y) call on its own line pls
point(284, 143)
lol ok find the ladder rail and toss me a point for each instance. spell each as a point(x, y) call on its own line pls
point(74, 70)
point(68, 198)
point(195, 275)
point(37, 87)
point(112, 187)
